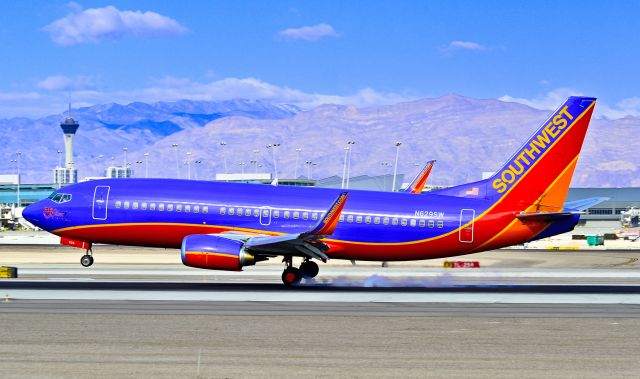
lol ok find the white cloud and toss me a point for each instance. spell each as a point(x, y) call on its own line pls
point(465, 45)
point(309, 33)
point(37, 104)
point(65, 83)
point(552, 99)
point(110, 23)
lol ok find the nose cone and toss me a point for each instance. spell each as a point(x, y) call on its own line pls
point(33, 213)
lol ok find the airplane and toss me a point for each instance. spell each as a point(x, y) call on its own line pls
point(418, 182)
point(228, 226)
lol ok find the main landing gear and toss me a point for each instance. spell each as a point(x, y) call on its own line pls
point(87, 259)
point(292, 275)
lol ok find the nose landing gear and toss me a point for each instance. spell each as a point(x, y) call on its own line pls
point(87, 259)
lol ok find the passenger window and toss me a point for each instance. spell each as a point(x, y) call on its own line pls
point(143, 206)
point(412, 222)
point(314, 216)
point(179, 208)
point(305, 215)
point(296, 215)
point(403, 222)
point(256, 213)
point(247, 212)
point(422, 223)
point(196, 209)
point(350, 218)
point(232, 211)
point(359, 219)
point(341, 218)
point(286, 214)
point(205, 209)
point(169, 207)
point(367, 220)
point(126, 205)
point(276, 213)
point(223, 210)
point(385, 221)
point(376, 220)
point(135, 205)
point(440, 224)
point(152, 206)
point(161, 207)
point(118, 204)
point(394, 221)
point(431, 223)
point(240, 211)
point(265, 213)
point(187, 208)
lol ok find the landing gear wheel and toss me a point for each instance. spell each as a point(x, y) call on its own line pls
point(309, 269)
point(86, 260)
point(291, 276)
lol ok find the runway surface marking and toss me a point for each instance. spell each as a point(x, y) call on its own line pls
point(256, 292)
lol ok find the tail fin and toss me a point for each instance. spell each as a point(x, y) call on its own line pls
point(417, 184)
point(539, 173)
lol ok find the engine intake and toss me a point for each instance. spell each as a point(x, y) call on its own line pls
point(215, 253)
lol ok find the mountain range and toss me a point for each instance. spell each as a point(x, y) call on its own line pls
point(466, 136)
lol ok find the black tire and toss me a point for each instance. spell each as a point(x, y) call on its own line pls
point(291, 276)
point(309, 269)
point(86, 260)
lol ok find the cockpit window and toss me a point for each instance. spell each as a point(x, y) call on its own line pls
point(60, 197)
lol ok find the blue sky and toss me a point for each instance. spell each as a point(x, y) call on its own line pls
point(313, 52)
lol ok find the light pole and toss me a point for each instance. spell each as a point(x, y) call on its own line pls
point(18, 154)
point(189, 165)
point(125, 150)
point(344, 167)
point(384, 165)
point(255, 160)
point(224, 156)
point(275, 162)
point(146, 165)
point(349, 163)
point(175, 149)
point(395, 167)
point(195, 169)
point(242, 167)
point(295, 172)
point(308, 163)
point(138, 162)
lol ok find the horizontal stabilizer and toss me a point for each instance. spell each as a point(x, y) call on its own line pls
point(545, 216)
point(582, 204)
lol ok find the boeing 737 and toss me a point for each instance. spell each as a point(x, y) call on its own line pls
point(227, 226)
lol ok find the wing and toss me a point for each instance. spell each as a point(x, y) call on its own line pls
point(306, 244)
point(417, 184)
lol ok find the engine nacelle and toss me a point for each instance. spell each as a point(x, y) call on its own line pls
point(215, 253)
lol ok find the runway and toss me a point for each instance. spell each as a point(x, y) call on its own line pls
point(525, 314)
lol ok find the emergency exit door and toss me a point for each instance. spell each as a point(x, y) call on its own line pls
point(467, 218)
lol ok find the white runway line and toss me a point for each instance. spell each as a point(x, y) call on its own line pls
point(328, 296)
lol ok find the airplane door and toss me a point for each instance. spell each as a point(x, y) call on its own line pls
point(265, 216)
point(100, 200)
point(467, 218)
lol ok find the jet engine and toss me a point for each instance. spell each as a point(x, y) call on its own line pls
point(215, 253)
